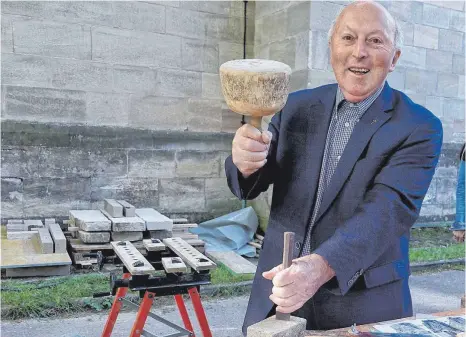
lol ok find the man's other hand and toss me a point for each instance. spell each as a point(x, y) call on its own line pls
point(250, 148)
point(294, 286)
point(458, 236)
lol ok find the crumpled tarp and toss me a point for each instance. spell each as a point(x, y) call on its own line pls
point(230, 232)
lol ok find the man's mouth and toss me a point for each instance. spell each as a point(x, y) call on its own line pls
point(358, 71)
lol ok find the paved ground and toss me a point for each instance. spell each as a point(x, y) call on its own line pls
point(431, 293)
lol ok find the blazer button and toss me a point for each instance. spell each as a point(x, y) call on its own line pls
point(350, 283)
point(297, 245)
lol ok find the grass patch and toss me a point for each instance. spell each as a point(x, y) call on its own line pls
point(454, 251)
point(50, 296)
point(431, 237)
point(222, 275)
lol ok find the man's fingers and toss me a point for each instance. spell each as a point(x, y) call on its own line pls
point(290, 309)
point(284, 292)
point(250, 131)
point(286, 302)
point(251, 145)
point(283, 278)
point(270, 274)
point(251, 156)
point(266, 137)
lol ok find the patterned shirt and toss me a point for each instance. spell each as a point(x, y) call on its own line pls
point(344, 118)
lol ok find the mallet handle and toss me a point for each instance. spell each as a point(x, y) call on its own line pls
point(256, 122)
point(288, 243)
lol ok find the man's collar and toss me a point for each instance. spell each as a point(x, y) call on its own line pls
point(340, 98)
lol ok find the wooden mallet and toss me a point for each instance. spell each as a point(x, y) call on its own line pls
point(255, 87)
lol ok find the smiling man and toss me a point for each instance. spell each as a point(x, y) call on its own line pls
point(351, 163)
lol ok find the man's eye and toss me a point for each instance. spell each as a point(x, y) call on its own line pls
point(347, 37)
point(376, 40)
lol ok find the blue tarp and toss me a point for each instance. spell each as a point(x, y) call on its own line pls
point(230, 232)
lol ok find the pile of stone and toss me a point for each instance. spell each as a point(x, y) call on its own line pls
point(50, 235)
point(119, 221)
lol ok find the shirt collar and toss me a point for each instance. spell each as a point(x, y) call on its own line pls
point(363, 105)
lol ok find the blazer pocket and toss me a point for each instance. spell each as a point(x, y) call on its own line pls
point(386, 273)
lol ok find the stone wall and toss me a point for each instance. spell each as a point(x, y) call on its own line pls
point(122, 99)
point(430, 70)
point(117, 99)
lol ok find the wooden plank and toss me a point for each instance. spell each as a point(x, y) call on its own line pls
point(130, 257)
point(189, 254)
point(27, 253)
point(78, 245)
point(174, 265)
point(180, 220)
point(184, 226)
point(39, 271)
point(233, 261)
point(153, 245)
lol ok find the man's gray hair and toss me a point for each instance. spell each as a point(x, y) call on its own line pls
point(397, 40)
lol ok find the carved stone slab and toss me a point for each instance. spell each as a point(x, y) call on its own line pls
point(174, 265)
point(189, 254)
point(133, 260)
point(153, 245)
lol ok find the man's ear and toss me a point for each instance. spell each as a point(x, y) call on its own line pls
point(394, 60)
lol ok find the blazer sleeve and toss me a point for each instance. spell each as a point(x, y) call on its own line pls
point(258, 182)
point(389, 208)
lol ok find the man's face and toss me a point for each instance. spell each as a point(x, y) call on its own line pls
point(362, 51)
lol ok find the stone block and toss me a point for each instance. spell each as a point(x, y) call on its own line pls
point(450, 40)
point(298, 18)
point(219, 198)
point(453, 108)
point(13, 227)
point(142, 191)
point(158, 113)
point(178, 83)
point(284, 51)
point(461, 89)
point(233, 8)
point(107, 109)
point(198, 25)
point(434, 16)
point(58, 237)
point(426, 37)
point(131, 79)
point(446, 191)
point(447, 85)
point(438, 60)
point(39, 103)
point(21, 235)
point(81, 75)
point(199, 55)
point(457, 21)
point(136, 48)
point(299, 80)
point(160, 234)
point(211, 87)
point(322, 14)
point(302, 43)
point(26, 70)
point(421, 81)
point(128, 209)
point(273, 28)
point(228, 51)
point(435, 105)
point(39, 271)
point(317, 78)
point(154, 220)
point(17, 162)
point(126, 236)
point(90, 220)
point(408, 32)
point(204, 115)
point(151, 163)
point(413, 57)
point(52, 39)
point(48, 221)
point(11, 195)
point(126, 224)
point(271, 327)
point(319, 51)
point(31, 224)
point(396, 79)
point(456, 5)
point(45, 240)
point(182, 195)
point(15, 222)
point(139, 16)
point(94, 237)
point(113, 208)
point(410, 11)
point(265, 8)
point(7, 34)
point(197, 164)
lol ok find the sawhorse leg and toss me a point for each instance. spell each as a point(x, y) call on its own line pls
point(199, 310)
point(116, 307)
point(141, 317)
point(184, 313)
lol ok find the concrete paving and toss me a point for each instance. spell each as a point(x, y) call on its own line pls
point(431, 293)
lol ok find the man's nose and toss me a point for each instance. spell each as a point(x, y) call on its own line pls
point(360, 49)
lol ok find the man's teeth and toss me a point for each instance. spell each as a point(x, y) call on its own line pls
point(359, 70)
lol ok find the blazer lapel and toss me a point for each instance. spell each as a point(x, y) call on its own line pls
point(319, 121)
point(373, 118)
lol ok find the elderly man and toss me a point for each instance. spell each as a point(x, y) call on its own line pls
point(350, 163)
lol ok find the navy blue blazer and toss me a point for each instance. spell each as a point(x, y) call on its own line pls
point(362, 227)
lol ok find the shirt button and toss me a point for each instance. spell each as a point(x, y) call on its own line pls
point(338, 157)
point(297, 245)
point(346, 124)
